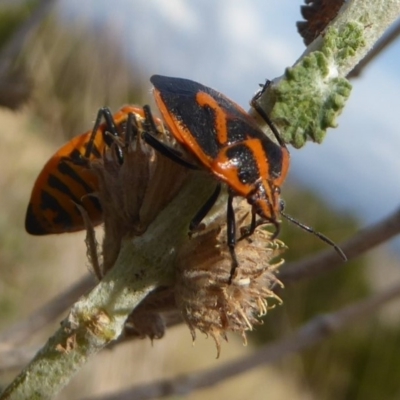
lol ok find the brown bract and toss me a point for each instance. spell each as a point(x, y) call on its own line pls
point(204, 294)
point(317, 14)
point(133, 192)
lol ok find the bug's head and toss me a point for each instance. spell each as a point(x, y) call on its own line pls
point(266, 202)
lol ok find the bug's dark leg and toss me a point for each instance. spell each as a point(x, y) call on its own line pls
point(253, 225)
point(105, 113)
point(131, 131)
point(204, 210)
point(149, 136)
point(100, 114)
point(166, 151)
point(266, 118)
point(231, 228)
point(149, 120)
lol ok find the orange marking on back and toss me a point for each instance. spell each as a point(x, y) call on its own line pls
point(220, 124)
point(226, 170)
point(180, 132)
point(259, 155)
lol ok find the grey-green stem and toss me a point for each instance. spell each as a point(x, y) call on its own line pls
point(143, 264)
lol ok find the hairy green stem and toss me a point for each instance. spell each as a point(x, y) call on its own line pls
point(144, 263)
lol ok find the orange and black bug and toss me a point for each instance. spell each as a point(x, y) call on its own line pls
point(227, 141)
point(66, 180)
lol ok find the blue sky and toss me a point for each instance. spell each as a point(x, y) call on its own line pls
point(233, 45)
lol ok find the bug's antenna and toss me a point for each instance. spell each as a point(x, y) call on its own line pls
point(318, 234)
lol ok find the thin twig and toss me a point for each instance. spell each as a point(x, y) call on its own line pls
point(16, 357)
point(22, 330)
point(309, 335)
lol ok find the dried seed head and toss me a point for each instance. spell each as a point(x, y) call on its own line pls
point(133, 192)
point(204, 295)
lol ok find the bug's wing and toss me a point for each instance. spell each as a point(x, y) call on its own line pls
point(211, 126)
point(197, 116)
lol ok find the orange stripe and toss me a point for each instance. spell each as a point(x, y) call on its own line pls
point(259, 155)
point(38, 212)
point(223, 168)
point(181, 133)
point(220, 124)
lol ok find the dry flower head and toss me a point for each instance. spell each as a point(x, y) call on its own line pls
point(208, 300)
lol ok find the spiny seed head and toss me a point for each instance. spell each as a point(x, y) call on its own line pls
point(212, 303)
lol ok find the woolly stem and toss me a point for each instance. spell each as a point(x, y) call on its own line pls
point(144, 263)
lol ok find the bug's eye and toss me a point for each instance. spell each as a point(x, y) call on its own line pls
point(282, 205)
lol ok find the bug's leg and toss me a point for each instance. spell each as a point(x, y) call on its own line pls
point(266, 118)
point(204, 210)
point(105, 113)
point(166, 151)
point(150, 137)
point(248, 231)
point(254, 224)
point(231, 232)
point(150, 124)
point(131, 130)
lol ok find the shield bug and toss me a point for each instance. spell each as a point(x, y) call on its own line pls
point(225, 140)
point(66, 180)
